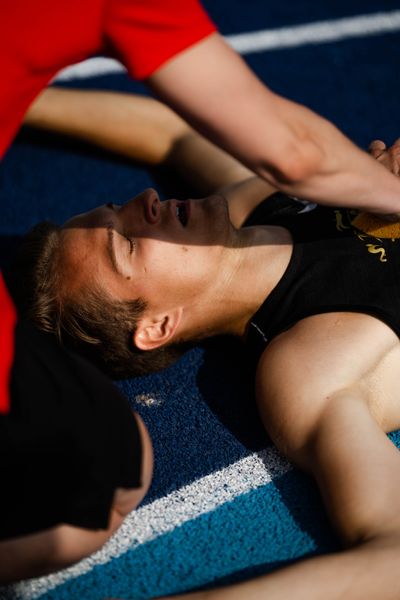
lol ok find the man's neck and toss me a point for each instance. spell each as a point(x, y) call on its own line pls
point(266, 255)
point(253, 267)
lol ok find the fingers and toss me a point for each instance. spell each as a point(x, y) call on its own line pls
point(394, 153)
point(388, 157)
point(376, 148)
point(396, 148)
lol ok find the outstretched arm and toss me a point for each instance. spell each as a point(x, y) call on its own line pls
point(143, 129)
point(139, 128)
point(285, 143)
point(134, 126)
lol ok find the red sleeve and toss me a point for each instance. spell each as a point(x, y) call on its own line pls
point(37, 39)
point(7, 324)
point(144, 34)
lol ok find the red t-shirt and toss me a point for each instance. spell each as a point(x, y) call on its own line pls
point(7, 324)
point(38, 39)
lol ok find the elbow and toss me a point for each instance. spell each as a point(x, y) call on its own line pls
point(294, 166)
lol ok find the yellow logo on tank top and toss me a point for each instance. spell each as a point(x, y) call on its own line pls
point(369, 229)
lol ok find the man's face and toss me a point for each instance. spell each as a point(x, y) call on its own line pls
point(164, 252)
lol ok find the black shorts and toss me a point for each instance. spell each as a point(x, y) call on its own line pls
point(68, 442)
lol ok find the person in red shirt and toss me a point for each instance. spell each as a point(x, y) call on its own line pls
point(175, 48)
point(8, 317)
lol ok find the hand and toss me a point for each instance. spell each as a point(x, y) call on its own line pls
point(389, 157)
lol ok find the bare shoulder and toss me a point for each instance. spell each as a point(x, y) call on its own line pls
point(327, 391)
point(306, 366)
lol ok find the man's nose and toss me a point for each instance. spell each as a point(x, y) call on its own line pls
point(146, 203)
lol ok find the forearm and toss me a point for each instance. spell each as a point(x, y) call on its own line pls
point(340, 174)
point(137, 127)
point(365, 573)
point(285, 143)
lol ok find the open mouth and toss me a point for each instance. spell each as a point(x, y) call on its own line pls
point(182, 212)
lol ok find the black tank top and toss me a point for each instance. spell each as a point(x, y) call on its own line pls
point(334, 267)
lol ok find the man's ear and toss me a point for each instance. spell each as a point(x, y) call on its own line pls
point(155, 331)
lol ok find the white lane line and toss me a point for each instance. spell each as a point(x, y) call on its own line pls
point(165, 514)
point(319, 32)
point(92, 67)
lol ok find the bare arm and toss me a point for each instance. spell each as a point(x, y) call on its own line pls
point(134, 126)
point(319, 416)
point(50, 550)
point(244, 196)
point(285, 143)
point(146, 130)
point(140, 128)
point(362, 481)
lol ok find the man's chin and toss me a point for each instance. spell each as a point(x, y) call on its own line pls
point(221, 219)
point(218, 203)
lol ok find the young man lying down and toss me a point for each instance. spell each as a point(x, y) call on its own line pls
point(315, 297)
